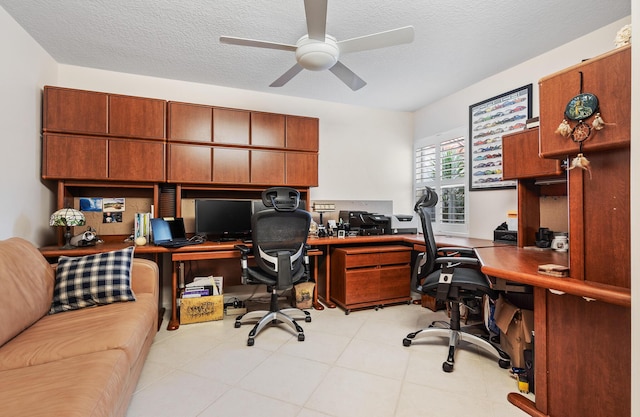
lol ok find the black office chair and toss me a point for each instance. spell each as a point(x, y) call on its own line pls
point(279, 235)
point(450, 275)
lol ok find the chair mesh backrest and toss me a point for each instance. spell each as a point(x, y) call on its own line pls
point(428, 200)
point(274, 231)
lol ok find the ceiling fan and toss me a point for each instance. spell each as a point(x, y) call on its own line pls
point(318, 51)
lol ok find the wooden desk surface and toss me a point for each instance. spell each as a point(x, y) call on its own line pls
point(417, 239)
point(521, 265)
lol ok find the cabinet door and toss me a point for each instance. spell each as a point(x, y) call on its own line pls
point(520, 157)
point(267, 129)
point(302, 169)
point(74, 111)
point(74, 157)
point(136, 160)
point(267, 167)
point(137, 117)
point(362, 285)
point(231, 166)
point(231, 126)
point(395, 281)
point(190, 122)
point(609, 78)
point(189, 163)
point(302, 133)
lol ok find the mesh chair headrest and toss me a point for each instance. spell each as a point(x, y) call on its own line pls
point(428, 199)
point(281, 198)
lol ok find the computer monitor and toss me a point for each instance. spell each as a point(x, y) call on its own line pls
point(223, 219)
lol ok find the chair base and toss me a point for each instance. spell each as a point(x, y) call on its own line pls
point(455, 336)
point(273, 316)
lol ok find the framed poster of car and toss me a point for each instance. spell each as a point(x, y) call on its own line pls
point(489, 120)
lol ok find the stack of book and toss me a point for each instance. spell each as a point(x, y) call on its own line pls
point(203, 287)
point(142, 226)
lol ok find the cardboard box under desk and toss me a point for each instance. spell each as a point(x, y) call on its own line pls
point(199, 309)
point(516, 325)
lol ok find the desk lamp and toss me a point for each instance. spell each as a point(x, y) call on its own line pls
point(323, 208)
point(67, 217)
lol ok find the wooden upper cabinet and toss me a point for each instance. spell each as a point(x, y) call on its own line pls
point(267, 129)
point(301, 169)
point(302, 133)
point(74, 157)
point(267, 167)
point(520, 157)
point(231, 126)
point(190, 122)
point(138, 160)
point(608, 77)
point(88, 112)
point(137, 117)
point(189, 163)
point(74, 111)
point(231, 165)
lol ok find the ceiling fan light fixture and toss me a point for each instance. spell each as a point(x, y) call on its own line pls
point(316, 55)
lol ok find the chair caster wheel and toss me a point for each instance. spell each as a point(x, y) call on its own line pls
point(447, 367)
point(346, 312)
point(406, 342)
point(237, 324)
point(301, 337)
point(250, 341)
point(307, 319)
point(504, 364)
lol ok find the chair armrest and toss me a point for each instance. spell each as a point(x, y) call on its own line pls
point(244, 249)
point(448, 251)
point(464, 260)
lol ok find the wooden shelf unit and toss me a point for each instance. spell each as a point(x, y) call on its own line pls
point(583, 322)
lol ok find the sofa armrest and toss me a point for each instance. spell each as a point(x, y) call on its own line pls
point(144, 277)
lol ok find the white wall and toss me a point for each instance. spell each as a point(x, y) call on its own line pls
point(489, 208)
point(26, 202)
point(635, 214)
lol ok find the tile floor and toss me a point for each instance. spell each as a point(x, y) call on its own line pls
point(348, 366)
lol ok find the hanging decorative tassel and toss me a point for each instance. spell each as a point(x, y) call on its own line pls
point(564, 129)
point(598, 123)
point(581, 161)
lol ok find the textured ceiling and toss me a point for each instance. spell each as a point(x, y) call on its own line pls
point(457, 43)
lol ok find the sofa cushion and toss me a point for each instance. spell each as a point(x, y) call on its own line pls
point(123, 326)
point(91, 280)
point(92, 385)
point(26, 286)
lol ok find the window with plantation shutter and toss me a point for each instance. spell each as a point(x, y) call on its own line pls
point(440, 163)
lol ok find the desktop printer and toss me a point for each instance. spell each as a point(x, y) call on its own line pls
point(405, 224)
point(365, 223)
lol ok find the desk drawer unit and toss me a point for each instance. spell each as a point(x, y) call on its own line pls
point(370, 276)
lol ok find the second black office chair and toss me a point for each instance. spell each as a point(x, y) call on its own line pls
point(279, 236)
point(451, 275)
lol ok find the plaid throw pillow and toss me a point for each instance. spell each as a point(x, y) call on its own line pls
point(91, 280)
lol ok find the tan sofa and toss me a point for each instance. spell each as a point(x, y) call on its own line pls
point(81, 363)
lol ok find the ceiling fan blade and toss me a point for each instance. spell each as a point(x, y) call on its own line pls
point(316, 13)
point(378, 40)
point(287, 76)
point(347, 76)
point(258, 44)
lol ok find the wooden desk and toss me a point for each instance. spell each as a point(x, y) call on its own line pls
point(209, 251)
point(582, 338)
point(416, 241)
